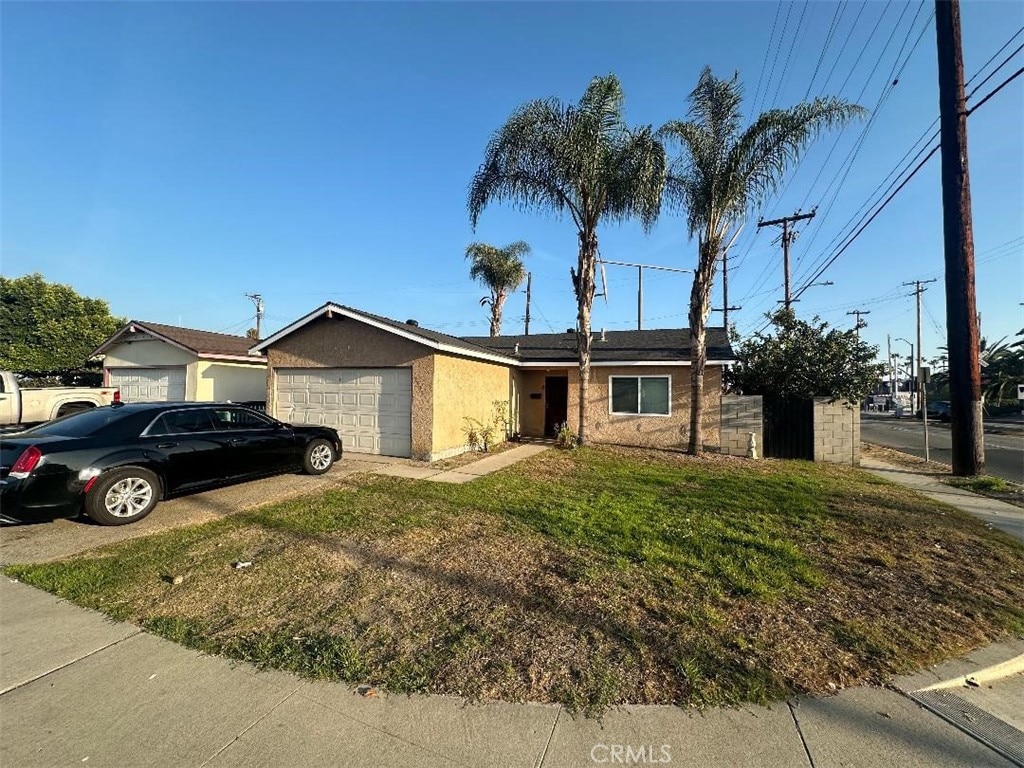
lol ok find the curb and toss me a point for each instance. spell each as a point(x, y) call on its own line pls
point(987, 675)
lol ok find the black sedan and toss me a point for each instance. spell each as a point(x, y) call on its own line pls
point(116, 463)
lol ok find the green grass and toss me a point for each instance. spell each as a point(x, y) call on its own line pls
point(982, 484)
point(592, 578)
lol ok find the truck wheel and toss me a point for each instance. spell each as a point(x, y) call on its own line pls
point(122, 496)
point(69, 408)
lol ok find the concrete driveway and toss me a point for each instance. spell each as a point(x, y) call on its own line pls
point(62, 538)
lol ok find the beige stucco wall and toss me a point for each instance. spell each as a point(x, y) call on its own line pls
point(648, 430)
point(217, 381)
point(345, 343)
point(146, 352)
point(466, 388)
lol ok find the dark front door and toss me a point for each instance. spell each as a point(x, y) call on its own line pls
point(556, 403)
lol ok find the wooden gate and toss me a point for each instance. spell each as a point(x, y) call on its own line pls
point(788, 427)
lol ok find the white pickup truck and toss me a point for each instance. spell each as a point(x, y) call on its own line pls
point(33, 406)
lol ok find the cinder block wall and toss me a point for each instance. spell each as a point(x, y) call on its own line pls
point(741, 415)
point(836, 432)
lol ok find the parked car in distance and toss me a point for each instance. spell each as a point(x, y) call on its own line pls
point(939, 410)
point(34, 406)
point(115, 463)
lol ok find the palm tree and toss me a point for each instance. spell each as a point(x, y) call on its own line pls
point(581, 158)
point(722, 172)
point(501, 270)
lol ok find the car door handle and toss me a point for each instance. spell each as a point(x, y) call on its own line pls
point(166, 445)
point(237, 439)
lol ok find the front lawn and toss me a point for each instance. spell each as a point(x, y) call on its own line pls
point(590, 578)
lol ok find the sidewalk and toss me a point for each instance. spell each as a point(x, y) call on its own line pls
point(998, 514)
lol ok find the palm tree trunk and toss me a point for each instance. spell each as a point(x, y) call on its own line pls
point(700, 306)
point(585, 301)
point(497, 300)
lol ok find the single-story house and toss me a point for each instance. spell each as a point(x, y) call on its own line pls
point(151, 362)
point(402, 390)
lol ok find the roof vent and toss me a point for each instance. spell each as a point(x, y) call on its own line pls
point(516, 350)
point(603, 337)
point(413, 322)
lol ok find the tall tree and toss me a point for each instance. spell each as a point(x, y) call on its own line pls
point(501, 270)
point(47, 328)
point(584, 159)
point(722, 172)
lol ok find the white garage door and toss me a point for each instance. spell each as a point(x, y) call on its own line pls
point(139, 385)
point(370, 407)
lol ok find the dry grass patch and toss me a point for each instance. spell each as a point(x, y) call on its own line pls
point(591, 577)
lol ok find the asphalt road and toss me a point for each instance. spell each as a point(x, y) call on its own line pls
point(1004, 454)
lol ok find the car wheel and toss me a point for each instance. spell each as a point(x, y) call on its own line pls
point(122, 496)
point(319, 457)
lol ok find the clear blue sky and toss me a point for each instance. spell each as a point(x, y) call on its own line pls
point(170, 157)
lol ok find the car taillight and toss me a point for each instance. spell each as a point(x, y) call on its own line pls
point(117, 395)
point(27, 462)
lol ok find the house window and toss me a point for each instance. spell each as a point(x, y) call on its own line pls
point(643, 395)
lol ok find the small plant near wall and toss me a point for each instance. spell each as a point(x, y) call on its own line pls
point(565, 437)
point(502, 422)
point(479, 436)
point(472, 432)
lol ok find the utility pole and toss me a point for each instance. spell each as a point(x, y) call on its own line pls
point(919, 362)
point(858, 325)
point(787, 238)
point(257, 299)
point(529, 285)
point(725, 309)
point(640, 285)
point(968, 454)
point(888, 355)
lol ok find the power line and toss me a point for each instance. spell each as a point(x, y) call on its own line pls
point(992, 74)
point(764, 62)
point(840, 10)
point(992, 58)
point(997, 89)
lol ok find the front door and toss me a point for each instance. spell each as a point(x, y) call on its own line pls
point(556, 403)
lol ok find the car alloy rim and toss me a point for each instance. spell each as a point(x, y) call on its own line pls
point(128, 497)
point(320, 457)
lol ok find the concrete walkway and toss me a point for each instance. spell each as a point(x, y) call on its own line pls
point(998, 514)
point(465, 473)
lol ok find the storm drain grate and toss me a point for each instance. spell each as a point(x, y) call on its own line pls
point(976, 722)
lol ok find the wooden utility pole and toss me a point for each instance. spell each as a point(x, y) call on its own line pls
point(258, 301)
point(529, 285)
point(919, 362)
point(725, 309)
point(858, 325)
point(963, 339)
point(640, 284)
point(787, 238)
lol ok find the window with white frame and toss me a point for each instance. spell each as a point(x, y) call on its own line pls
point(640, 395)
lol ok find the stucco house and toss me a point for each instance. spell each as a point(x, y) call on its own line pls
point(399, 389)
point(156, 362)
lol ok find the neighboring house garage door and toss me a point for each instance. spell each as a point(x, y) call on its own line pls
point(370, 407)
point(139, 385)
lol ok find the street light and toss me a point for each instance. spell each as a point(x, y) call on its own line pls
point(913, 376)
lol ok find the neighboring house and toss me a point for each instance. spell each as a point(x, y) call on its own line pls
point(150, 361)
point(401, 390)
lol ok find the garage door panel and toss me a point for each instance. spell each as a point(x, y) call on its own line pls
point(148, 384)
point(370, 408)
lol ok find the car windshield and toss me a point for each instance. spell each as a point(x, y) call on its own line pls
point(82, 424)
